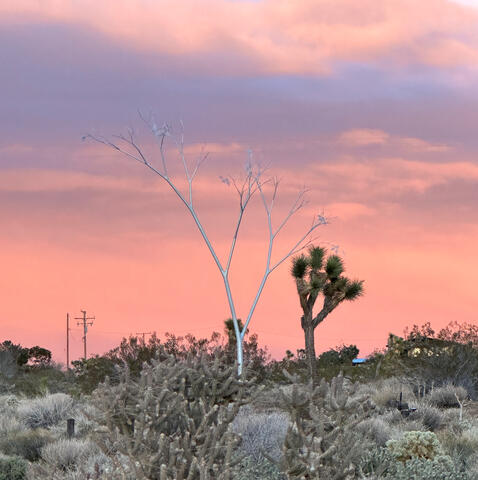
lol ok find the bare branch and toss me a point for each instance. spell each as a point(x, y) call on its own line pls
point(245, 189)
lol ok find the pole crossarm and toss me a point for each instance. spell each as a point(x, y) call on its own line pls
point(85, 323)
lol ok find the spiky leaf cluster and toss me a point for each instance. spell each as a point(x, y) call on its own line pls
point(315, 274)
point(173, 422)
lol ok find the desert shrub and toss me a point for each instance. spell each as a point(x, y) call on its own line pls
point(431, 417)
point(182, 411)
point(8, 364)
point(45, 411)
point(91, 372)
point(260, 432)
point(12, 468)
point(9, 423)
point(440, 468)
point(393, 417)
point(67, 453)
point(415, 445)
point(461, 447)
point(8, 404)
point(339, 355)
point(41, 380)
point(446, 396)
point(91, 467)
point(380, 463)
point(263, 469)
point(376, 429)
point(321, 441)
point(25, 443)
point(387, 392)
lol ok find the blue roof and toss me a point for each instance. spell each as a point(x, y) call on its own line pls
point(359, 360)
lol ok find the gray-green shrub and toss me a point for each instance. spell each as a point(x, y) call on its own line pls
point(44, 412)
point(447, 396)
point(260, 432)
point(25, 443)
point(415, 445)
point(431, 417)
point(12, 468)
point(67, 453)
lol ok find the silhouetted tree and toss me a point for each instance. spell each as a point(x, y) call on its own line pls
point(19, 353)
point(316, 275)
point(39, 356)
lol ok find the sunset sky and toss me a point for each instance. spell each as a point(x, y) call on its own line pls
point(371, 105)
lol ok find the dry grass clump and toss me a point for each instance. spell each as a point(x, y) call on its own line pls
point(9, 424)
point(386, 393)
point(25, 443)
point(261, 432)
point(447, 396)
point(67, 453)
point(44, 412)
point(431, 417)
point(376, 429)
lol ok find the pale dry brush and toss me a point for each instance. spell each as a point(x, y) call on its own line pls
point(46, 411)
point(260, 431)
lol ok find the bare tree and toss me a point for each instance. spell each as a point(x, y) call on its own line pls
point(252, 183)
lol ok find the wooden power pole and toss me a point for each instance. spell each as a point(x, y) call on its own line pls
point(68, 341)
point(144, 335)
point(85, 323)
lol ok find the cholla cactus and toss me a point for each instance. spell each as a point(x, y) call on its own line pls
point(173, 422)
point(415, 445)
point(321, 442)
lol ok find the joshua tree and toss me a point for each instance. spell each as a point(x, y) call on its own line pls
point(315, 274)
point(252, 183)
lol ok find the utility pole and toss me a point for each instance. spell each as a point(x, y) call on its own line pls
point(85, 323)
point(68, 341)
point(143, 334)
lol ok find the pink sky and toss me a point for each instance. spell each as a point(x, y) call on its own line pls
point(374, 109)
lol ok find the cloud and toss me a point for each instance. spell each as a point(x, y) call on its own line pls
point(275, 36)
point(386, 179)
point(362, 137)
point(348, 210)
point(214, 148)
point(16, 149)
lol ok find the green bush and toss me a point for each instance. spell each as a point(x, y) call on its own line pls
point(415, 445)
point(380, 463)
point(26, 443)
point(440, 468)
point(12, 468)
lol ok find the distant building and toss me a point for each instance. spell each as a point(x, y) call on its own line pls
point(359, 361)
point(416, 346)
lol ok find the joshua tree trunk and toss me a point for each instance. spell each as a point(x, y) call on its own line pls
point(308, 327)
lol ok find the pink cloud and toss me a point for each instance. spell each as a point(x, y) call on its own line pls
point(278, 36)
point(364, 136)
